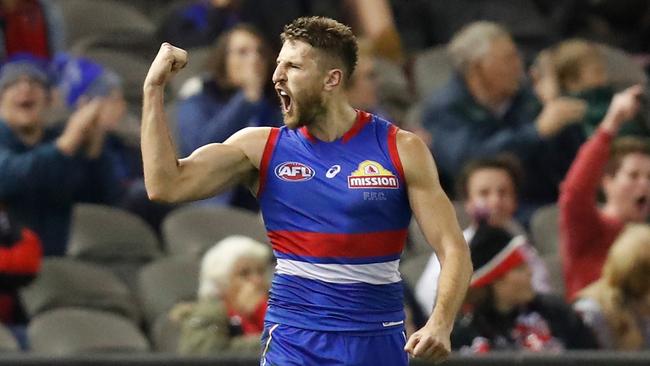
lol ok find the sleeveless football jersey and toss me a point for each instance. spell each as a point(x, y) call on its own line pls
point(337, 215)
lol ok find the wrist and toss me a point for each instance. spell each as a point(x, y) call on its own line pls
point(610, 124)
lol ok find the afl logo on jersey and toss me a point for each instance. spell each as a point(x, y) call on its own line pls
point(294, 172)
point(371, 174)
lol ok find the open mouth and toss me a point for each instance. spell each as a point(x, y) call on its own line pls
point(641, 202)
point(27, 104)
point(285, 100)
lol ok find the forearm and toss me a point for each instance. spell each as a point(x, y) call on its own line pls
point(159, 159)
point(33, 170)
point(455, 275)
point(583, 178)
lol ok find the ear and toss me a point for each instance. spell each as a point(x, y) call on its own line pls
point(333, 79)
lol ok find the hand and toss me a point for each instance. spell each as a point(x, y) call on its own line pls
point(79, 126)
point(624, 107)
point(429, 343)
point(558, 113)
point(168, 62)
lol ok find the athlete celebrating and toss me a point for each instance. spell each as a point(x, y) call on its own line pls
point(336, 188)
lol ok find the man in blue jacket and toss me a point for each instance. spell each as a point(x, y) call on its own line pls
point(485, 110)
point(43, 172)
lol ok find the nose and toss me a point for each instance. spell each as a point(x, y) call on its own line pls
point(279, 74)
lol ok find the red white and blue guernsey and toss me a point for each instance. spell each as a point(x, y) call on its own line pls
point(337, 215)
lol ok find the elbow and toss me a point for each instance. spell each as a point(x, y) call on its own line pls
point(159, 194)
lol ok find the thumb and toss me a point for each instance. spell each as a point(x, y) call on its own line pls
point(411, 343)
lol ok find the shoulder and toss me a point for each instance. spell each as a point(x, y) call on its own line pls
point(410, 145)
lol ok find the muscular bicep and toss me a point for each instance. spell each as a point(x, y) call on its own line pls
point(214, 168)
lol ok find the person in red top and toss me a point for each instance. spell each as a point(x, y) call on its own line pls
point(622, 169)
point(33, 27)
point(20, 261)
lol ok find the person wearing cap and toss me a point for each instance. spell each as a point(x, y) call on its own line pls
point(43, 172)
point(79, 79)
point(503, 311)
point(488, 189)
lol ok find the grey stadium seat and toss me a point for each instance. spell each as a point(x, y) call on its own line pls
point(66, 282)
point(165, 282)
point(7, 341)
point(193, 229)
point(112, 237)
point(544, 229)
point(86, 17)
point(74, 331)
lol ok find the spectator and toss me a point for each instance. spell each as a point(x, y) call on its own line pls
point(504, 312)
point(485, 110)
point(232, 298)
point(20, 261)
point(623, 170)
point(362, 90)
point(34, 27)
point(488, 188)
point(42, 172)
point(578, 68)
point(237, 93)
point(617, 306)
point(79, 80)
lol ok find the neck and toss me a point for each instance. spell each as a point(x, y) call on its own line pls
point(338, 118)
point(482, 94)
point(29, 135)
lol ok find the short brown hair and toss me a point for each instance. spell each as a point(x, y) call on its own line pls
point(506, 162)
point(570, 56)
point(328, 35)
point(623, 147)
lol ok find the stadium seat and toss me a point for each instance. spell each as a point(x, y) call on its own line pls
point(75, 331)
point(112, 237)
point(165, 282)
point(192, 229)
point(132, 69)
point(553, 263)
point(66, 282)
point(86, 17)
point(544, 229)
point(164, 334)
point(7, 341)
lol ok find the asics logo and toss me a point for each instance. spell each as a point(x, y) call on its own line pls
point(333, 171)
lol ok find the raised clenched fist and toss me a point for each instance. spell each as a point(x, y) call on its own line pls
point(168, 62)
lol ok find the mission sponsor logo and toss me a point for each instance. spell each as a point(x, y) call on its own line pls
point(294, 172)
point(371, 174)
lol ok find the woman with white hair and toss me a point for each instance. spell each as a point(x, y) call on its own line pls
point(232, 298)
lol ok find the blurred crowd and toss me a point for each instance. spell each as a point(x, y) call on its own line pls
point(536, 113)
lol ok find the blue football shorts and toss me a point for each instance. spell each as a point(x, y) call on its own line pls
point(283, 345)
